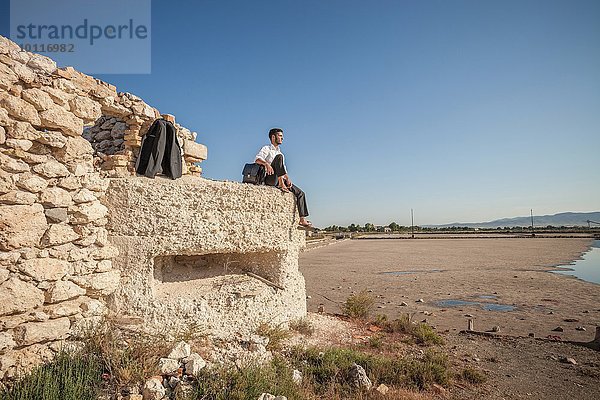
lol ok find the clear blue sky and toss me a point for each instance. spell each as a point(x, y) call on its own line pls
point(463, 110)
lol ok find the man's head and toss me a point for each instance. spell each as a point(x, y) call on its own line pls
point(276, 136)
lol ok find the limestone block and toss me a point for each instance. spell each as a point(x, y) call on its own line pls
point(55, 197)
point(59, 118)
point(58, 96)
point(52, 139)
point(110, 107)
point(144, 110)
point(75, 149)
point(180, 351)
point(63, 309)
point(38, 98)
point(44, 269)
point(58, 234)
point(62, 251)
point(21, 56)
point(19, 109)
point(93, 308)
point(95, 182)
point(12, 321)
point(42, 63)
point(18, 197)
point(7, 45)
point(65, 85)
point(4, 119)
point(6, 341)
point(167, 365)
point(6, 60)
point(194, 363)
point(70, 182)
point(84, 196)
point(38, 332)
point(78, 254)
point(19, 144)
point(22, 130)
point(104, 266)
point(154, 389)
point(51, 169)
point(63, 290)
point(85, 108)
point(9, 164)
point(56, 214)
point(66, 72)
point(102, 284)
point(103, 252)
point(34, 158)
point(32, 182)
point(194, 150)
point(7, 77)
point(88, 212)
point(4, 273)
point(83, 267)
point(21, 226)
point(24, 73)
point(82, 167)
point(17, 296)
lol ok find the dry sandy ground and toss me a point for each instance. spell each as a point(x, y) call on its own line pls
point(512, 270)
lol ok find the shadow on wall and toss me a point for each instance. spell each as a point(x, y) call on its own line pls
point(183, 268)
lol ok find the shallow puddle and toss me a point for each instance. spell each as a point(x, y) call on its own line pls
point(588, 268)
point(485, 306)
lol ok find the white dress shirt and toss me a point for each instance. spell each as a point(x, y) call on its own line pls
point(268, 153)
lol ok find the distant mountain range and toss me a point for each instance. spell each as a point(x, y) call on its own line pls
point(562, 219)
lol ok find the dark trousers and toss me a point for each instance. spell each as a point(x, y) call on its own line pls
point(279, 170)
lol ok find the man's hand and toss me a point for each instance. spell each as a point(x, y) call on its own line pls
point(269, 169)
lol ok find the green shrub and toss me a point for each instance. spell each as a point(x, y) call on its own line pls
point(70, 376)
point(248, 382)
point(358, 305)
point(328, 369)
point(424, 334)
point(472, 375)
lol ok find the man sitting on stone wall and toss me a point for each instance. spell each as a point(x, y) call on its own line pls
point(272, 159)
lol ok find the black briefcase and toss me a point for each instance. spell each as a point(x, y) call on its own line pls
point(253, 173)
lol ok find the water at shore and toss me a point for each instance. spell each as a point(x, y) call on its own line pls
point(588, 268)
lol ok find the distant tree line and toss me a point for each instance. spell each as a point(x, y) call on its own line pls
point(394, 227)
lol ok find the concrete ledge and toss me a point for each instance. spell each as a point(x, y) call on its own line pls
point(186, 246)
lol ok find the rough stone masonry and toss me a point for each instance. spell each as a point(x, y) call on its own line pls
point(83, 238)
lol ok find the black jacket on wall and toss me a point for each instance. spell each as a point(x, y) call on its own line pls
point(160, 152)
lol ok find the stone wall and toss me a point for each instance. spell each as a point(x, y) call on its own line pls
point(81, 237)
point(56, 262)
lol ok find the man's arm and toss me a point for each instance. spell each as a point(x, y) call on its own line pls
point(265, 164)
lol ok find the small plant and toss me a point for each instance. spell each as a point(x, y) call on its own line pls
point(376, 341)
point(70, 376)
point(302, 326)
point(473, 375)
point(127, 357)
point(380, 320)
point(230, 383)
point(421, 333)
point(401, 325)
point(275, 334)
point(424, 334)
point(358, 305)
